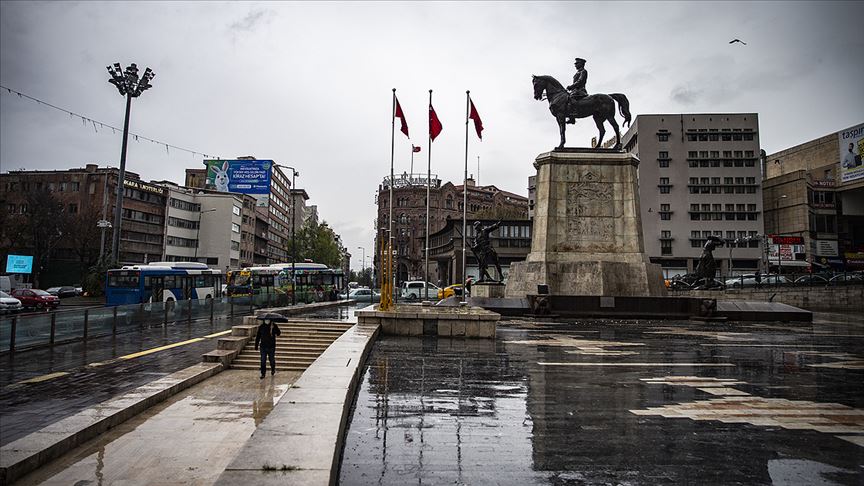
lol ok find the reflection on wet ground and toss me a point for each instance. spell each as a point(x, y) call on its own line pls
point(618, 402)
point(188, 439)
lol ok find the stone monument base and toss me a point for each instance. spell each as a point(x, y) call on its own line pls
point(587, 233)
point(488, 290)
point(586, 278)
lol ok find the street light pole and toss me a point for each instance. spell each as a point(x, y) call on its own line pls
point(363, 261)
point(198, 233)
point(129, 86)
point(294, 175)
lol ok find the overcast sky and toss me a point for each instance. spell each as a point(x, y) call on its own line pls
point(309, 84)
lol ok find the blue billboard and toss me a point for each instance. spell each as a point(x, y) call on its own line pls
point(19, 264)
point(242, 176)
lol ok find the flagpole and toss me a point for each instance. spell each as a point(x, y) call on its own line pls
point(428, 204)
point(465, 192)
point(390, 218)
point(412, 161)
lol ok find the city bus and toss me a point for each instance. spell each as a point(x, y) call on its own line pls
point(315, 281)
point(162, 282)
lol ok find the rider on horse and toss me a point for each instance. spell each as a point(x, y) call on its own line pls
point(577, 89)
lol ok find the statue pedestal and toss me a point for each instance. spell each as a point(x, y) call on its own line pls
point(492, 290)
point(587, 234)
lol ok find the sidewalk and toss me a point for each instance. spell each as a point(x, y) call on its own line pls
point(42, 386)
point(188, 439)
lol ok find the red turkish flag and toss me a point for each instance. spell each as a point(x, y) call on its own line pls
point(435, 126)
point(478, 124)
point(401, 116)
point(415, 149)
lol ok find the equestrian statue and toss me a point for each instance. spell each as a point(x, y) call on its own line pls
point(568, 104)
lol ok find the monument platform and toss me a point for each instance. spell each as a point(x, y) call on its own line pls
point(587, 234)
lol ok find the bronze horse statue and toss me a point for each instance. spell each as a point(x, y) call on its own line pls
point(600, 106)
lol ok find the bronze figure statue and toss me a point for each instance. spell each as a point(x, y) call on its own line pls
point(482, 248)
point(577, 89)
point(566, 106)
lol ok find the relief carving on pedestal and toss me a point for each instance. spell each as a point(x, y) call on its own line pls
point(591, 213)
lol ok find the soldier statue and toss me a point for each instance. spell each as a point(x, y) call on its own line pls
point(707, 267)
point(577, 89)
point(482, 248)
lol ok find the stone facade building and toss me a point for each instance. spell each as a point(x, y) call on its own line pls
point(87, 195)
point(409, 218)
point(805, 196)
point(699, 175)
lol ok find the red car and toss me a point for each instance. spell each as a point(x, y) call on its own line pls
point(36, 298)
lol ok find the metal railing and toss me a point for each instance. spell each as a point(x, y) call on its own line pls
point(19, 332)
point(785, 280)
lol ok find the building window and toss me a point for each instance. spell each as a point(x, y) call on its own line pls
point(236, 210)
point(73, 208)
point(235, 227)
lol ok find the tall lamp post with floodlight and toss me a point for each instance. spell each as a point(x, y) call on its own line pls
point(131, 86)
point(294, 175)
point(198, 233)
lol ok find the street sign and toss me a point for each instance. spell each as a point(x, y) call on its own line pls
point(103, 223)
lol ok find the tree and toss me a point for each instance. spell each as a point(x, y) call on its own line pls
point(44, 227)
point(317, 242)
point(83, 235)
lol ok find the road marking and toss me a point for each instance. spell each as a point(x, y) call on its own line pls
point(160, 348)
point(706, 365)
point(218, 334)
point(47, 377)
point(58, 374)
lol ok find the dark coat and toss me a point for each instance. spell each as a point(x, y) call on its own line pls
point(265, 337)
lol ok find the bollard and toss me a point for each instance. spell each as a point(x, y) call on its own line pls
point(53, 327)
point(141, 314)
point(114, 324)
point(165, 318)
point(211, 309)
point(12, 337)
point(189, 314)
point(86, 322)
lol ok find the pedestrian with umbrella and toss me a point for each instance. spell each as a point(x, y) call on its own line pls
point(266, 337)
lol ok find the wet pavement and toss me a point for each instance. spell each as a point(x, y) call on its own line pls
point(615, 402)
point(188, 439)
point(41, 386)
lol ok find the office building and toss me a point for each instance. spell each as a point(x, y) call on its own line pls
point(699, 176)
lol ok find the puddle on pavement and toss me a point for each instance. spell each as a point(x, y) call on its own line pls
point(188, 439)
point(529, 408)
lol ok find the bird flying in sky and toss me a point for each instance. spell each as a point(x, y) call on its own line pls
point(737, 40)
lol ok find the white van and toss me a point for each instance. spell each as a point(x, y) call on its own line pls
point(5, 284)
point(413, 290)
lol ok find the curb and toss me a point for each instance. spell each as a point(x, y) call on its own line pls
point(34, 450)
point(300, 441)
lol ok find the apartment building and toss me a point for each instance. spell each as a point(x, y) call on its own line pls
point(699, 176)
point(409, 217)
point(814, 192)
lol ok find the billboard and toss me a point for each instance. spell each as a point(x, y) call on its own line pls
point(19, 264)
point(851, 151)
point(243, 176)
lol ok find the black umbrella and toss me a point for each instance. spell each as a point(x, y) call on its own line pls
point(271, 316)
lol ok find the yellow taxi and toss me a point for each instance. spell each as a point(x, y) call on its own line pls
point(450, 291)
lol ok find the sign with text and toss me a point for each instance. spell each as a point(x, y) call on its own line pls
point(785, 240)
point(786, 253)
point(851, 151)
point(19, 264)
point(242, 176)
point(825, 248)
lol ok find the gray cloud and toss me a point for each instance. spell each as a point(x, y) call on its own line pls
point(308, 84)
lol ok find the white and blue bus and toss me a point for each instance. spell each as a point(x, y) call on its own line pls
point(162, 282)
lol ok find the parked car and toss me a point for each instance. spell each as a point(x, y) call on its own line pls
point(750, 281)
point(847, 278)
point(364, 295)
point(812, 279)
point(36, 299)
point(414, 290)
point(9, 303)
point(450, 291)
point(63, 292)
